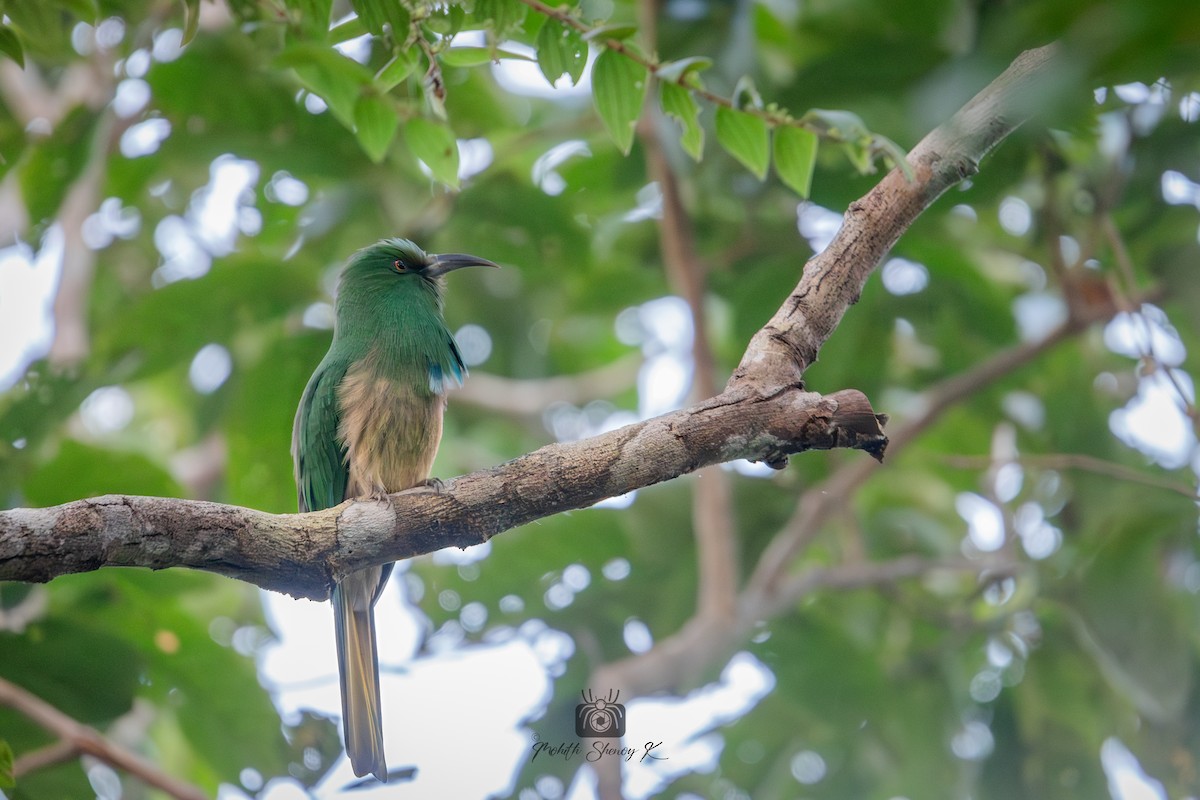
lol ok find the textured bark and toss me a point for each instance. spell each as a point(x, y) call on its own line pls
point(764, 414)
point(301, 553)
point(833, 279)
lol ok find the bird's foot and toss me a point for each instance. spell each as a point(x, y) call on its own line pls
point(436, 484)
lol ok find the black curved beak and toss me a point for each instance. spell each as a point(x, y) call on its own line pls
point(451, 261)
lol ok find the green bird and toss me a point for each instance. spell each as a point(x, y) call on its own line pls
point(369, 424)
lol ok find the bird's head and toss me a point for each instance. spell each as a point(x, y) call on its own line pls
point(392, 259)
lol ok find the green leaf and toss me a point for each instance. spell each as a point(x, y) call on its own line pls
point(893, 154)
point(795, 157)
point(260, 466)
point(165, 328)
point(616, 30)
point(1132, 625)
point(350, 28)
point(445, 21)
point(560, 49)
point(436, 146)
point(85, 10)
point(860, 157)
point(474, 56)
point(331, 76)
point(10, 45)
point(209, 690)
point(618, 89)
point(50, 167)
point(678, 102)
point(746, 94)
point(396, 71)
point(191, 19)
point(745, 138)
point(499, 15)
point(6, 766)
point(47, 657)
point(312, 16)
point(81, 470)
point(376, 14)
point(375, 125)
point(840, 126)
point(674, 71)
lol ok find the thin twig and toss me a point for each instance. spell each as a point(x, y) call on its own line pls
point(1125, 267)
point(1084, 463)
point(772, 586)
point(1120, 252)
point(817, 504)
point(87, 740)
point(864, 574)
point(51, 755)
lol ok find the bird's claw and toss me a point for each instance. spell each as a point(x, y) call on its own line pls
point(436, 484)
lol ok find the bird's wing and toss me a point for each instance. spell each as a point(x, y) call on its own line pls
point(317, 451)
point(449, 370)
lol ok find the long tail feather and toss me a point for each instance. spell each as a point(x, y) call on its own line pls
point(358, 665)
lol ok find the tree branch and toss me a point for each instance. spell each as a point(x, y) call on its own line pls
point(301, 553)
point(861, 574)
point(77, 738)
point(833, 279)
point(763, 593)
point(1083, 463)
point(49, 756)
point(780, 352)
point(763, 415)
point(774, 586)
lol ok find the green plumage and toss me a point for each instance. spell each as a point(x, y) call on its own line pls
point(369, 424)
point(395, 321)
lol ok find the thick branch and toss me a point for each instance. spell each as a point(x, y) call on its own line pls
point(833, 279)
point(763, 415)
point(775, 586)
point(301, 553)
point(820, 502)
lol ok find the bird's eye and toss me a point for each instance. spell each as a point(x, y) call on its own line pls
point(398, 265)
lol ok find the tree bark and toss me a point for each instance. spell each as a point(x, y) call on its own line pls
point(302, 553)
point(764, 414)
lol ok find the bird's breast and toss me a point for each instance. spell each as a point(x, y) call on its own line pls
point(391, 429)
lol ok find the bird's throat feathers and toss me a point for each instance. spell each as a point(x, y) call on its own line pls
point(394, 322)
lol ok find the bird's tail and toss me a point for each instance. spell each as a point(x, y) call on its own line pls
point(358, 666)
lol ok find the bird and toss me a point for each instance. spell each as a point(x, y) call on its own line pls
point(369, 423)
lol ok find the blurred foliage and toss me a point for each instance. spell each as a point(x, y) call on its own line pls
point(206, 308)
